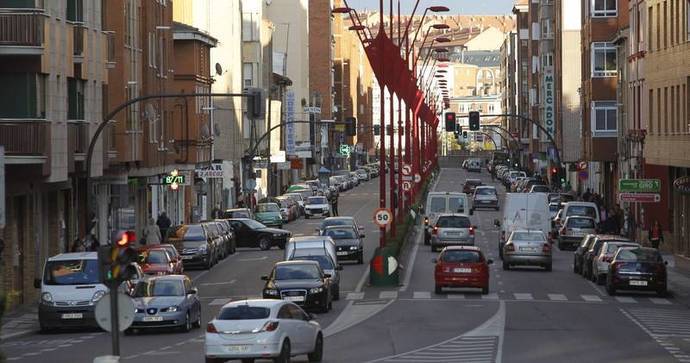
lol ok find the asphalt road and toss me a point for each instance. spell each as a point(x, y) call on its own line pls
point(529, 315)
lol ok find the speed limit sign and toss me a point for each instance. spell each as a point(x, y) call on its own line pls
point(382, 217)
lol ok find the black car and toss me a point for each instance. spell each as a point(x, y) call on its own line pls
point(197, 249)
point(348, 243)
point(301, 282)
point(250, 233)
point(637, 268)
point(579, 255)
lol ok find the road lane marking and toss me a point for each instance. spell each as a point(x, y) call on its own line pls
point(591, 298)
point(219, 283)
point(491, 296)
point(557, 297)
point(625, 299)
point(220, 301)
point(253, 259)
point(456, 296)
point(388, 295)
point(355, 296)
point(659, 301)
point(523, 296)
point(421, 295)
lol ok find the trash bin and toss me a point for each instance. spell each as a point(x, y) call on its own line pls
point(384, 269)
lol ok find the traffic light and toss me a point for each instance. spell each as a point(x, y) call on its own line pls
point(115, 261)
point(350, 126)
point(450, 121)
point(256, 103)
point(554, 171)
point(377, 130)
point(464, 134)
point(105, 264)
point(474, 120)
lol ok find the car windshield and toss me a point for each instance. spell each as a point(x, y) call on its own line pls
point(316, 200)
point(340, 233)
point(268, 207)
point(461, 256)
point(456, 205)
point(638, 255)
point(437, 205)
point(528, 236)
point(156, 257)
point(325, 262)
point(553, 207)
point(611, 248)
point(296, 272)
point(253, 224)
point(485, 191)
point(71, 272)
point(335, 222)
point(580, 223)
point(159, 287)
point(581, 210)
point(244, 312)
point(453, 222)
point(191, 232)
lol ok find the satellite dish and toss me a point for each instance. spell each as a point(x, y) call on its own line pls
point(219, 69)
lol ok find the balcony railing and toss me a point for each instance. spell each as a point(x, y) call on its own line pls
point(24, 137)
point(77, 137)
point(21, 29)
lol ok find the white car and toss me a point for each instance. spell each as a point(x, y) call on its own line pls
point(317, 207)
point(260, 329)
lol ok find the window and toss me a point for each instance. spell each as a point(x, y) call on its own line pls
point(546, 28)
point(604, 60)
point(250, 27)
point(547, 60)
point(604, 116)
point(687, 21)
point(75, 99)
point(248, 74)
point(603, 8)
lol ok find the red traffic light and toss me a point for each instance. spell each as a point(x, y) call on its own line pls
point(125, 238)
point(554, 171)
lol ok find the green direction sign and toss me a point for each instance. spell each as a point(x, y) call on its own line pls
point(177, 179)
point(639, 185)
point(345, 150)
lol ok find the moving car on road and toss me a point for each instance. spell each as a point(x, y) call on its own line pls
point(527, 247)
point(340, 221)
point(269, 215)
point(348, 243)
point(250, 233)
point(470, 185)
point(166, 302)
point(175, 257)
point(637, 268)
point(317, 206)
point(572, 231)
point(259, 329)
point(485, 196)
point(461, 266)
point(438, 203)
point(452, 229)
point(156, 261)
point(302, 282)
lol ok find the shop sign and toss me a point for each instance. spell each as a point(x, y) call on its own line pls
point(549, 102)
point(214, 171)
point(682, 184)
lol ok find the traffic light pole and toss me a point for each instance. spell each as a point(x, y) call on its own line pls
point(114, 318)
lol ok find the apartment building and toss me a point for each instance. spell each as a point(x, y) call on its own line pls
point(52, 77)
point(524, 65)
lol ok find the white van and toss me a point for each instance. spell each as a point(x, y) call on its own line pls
point(585, 209)
point(523, 211)
point(438, 203)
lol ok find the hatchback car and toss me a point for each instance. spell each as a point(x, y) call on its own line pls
point(317, 206)
point(259, 329)
point(302, 282)
point(600, 262)
point(196, 249)
point(572, 231)
point(269, 215)
point(527, 247)
point(349, 245)
point(637, 268)
point(156, 261)
point(485, 197)
point(470, 185)
point(461, 266)
point(166, 302)
point(452, 229)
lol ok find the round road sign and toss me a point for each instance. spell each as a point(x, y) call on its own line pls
point(125, 310)
point(406, 186)
point(407, 170)
point(417, 178)
point(382, 217)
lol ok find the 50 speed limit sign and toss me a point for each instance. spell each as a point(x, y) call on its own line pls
point(382, 217)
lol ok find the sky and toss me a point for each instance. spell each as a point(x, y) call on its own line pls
point(462, 7)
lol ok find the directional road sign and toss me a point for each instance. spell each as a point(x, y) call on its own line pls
point(417, 178)
point(407, 169)
point(640, 197)
point(639, 185)
point(406, 185)
point(382, 217)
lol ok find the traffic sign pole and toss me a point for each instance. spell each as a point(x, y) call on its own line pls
point(114, 320)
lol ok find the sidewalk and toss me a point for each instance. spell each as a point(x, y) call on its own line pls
point(19, 322)
point(678, 278)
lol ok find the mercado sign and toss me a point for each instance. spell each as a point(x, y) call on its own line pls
point(549, 102)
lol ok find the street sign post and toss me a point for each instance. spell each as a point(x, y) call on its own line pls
point(125, 312)
point(382, 217)
point(639, 197)
point(417, 178)
point(639, 185)
point(407, 170)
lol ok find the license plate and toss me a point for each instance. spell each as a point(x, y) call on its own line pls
point(73, 316)
point(187, 257)
point(342, 253)
point(462, 270)
point(237, 348)
point(294, 298)
point(638, 283)
point(528, 249)
point(152, 318)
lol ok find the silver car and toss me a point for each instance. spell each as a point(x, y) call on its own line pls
point(527, 247)
point(166, 302)
point(601, 262)
point(485, 197)
point(574, 228)
point(450, 230)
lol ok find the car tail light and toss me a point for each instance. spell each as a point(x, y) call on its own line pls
point(270, 326)
point(210, 328)
point(510, 247)
point(546, 248)
point(607, 258)
point(471, 231)
point(434, 231)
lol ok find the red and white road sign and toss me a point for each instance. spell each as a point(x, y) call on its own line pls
point(406, 185)
point(639, 197)
point(382, 217)
point(417, 178)
point(407, 169)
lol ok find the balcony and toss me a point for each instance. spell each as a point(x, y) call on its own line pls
point(21, 33)
point(25, 140)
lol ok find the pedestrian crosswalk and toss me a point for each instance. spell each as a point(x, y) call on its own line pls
point(461, 349)
point(505, 296)
point(663, 322)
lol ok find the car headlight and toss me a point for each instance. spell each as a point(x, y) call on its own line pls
point(47, 298)
point(277, 235)
point(272, 292)
point(315, 290)
point(139, 310)
point(97, 295)
point(353, 248)
point(203, 249)
point(172, 309)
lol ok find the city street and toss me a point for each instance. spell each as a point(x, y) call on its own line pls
point(529, 315)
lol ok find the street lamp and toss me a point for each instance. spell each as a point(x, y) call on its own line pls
point(434, 9)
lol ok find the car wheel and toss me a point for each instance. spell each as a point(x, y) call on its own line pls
point(662, 292)
point(264, 244)
point(485, 290)
point(129, 331)
point(548, 267)
point(600, 280)
point(44, 329)
point(216, 360)
point(284, 356)
point(248, 360)
point(360, 260)
point(209, 263)
point(197, 323)
point(336, 293)
point(560, 245)
point(187, 323)
point(438, 290)
point(306, 216)
point(497, 208)
point(281, 246)
point(317, 354)
point(506, 266)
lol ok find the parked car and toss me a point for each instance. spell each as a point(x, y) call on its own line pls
point(363, 175)
point(600, 263)
point(461, 266)
point(297, 197)
point(250, 233)
point(485, 196)
point(229, 234)
point(301, 282)
point(573, 229)
point(348, 242)
point(269, 215)
point(527, 247)
point(288, 209)
point(216, 240)
point(238, 213)
point(195, 247)
point(259, 329)
point(579, 255)
point(595, 250)
point(175, 258)
point(340, 221)
point(452, 229)
point(166, 302)
point(155, 261)
point(470, 185)
point(637, 268)
point(317, 206)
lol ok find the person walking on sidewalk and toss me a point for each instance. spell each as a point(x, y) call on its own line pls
point(152, 234)
point(334, 204)
point(163, 224)
point(656, 236)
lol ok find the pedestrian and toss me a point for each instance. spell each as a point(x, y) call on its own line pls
point(152, 234)
point(587, 195)
point(163, 224)
point(77, 246)
point(334, 205)
point(656, 235)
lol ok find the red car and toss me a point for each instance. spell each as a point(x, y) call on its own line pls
point(156, 261)
point(462, 266)
point(178, 268)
